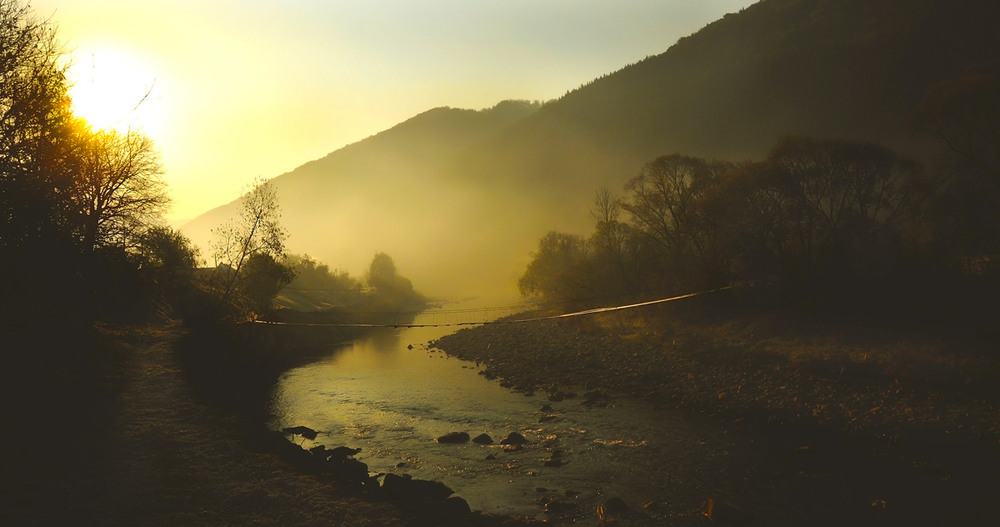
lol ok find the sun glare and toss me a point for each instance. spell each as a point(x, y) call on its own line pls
point(113, 91)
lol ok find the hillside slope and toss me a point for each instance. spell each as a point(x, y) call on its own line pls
point(840, 68)
point(387, 193)
point(460, 198)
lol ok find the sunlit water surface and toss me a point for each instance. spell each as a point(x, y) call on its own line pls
point(393, 396)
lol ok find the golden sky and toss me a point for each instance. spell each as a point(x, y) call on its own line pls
point(246, 88)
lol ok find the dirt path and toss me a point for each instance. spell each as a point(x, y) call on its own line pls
point(165, 458)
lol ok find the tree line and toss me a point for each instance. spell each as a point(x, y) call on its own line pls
point(820, 222)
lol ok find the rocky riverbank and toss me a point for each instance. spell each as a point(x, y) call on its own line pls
point(839, 421)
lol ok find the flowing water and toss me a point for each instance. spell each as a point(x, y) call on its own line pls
point(392, 396)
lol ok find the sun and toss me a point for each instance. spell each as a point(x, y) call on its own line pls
point(112, 90)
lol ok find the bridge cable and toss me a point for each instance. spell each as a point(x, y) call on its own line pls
point(498, 321)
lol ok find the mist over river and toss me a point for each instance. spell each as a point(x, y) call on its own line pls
point(392, 395)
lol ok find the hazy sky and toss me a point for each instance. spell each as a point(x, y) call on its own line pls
point(247, 88)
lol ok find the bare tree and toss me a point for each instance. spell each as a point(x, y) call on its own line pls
point(663, 198)
point(611, 236)
point(120, 187)
point(257, 231)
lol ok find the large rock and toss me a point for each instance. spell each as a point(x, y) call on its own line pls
point(514, 438)
point(454, 438)
point(339, 453)
point(455, 508)
point(350, 470)
point(303, 431)
point(408, 490)
point(483, 439)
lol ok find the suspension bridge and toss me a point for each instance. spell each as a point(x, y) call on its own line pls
point(478, 316)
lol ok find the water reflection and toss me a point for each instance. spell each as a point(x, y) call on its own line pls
point(392, 396)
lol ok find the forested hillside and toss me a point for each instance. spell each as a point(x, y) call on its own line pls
point(461, 197)
point(826, 68)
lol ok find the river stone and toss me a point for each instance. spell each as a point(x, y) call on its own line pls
point(405, 488)
point(454, 438)
point(341, 452)
point(514, 438)
point(303, 431)
point(483, 439)
point(349, 470)
point(455, 509)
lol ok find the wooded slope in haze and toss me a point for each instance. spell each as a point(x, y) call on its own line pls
point(459, 197)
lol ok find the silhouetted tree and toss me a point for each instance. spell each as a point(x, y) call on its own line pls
point(119, 188)
point(38, 253)
point(316, 280)
point(391, 290)
point(313, 275)
point(965, 114)
point(168, 258)
point(256, 232)
point(841, 203)
point(749, 208)
point(557, 270)
point(381, 273)
point(35, 122)
point(612, 243)
point(664, 205)
point(263, 278)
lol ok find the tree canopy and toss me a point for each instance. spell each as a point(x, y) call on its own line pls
point(820, 220)
point(80, 209)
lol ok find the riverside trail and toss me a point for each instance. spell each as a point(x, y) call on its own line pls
point(167, 458)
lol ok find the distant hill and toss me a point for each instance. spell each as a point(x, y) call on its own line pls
point(389, 192)
point(459, 198)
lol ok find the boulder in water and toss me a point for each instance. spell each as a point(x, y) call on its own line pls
point(408, 490)
point(482, 439)
point(303, 431)
point(514, 438)
point(454, 438)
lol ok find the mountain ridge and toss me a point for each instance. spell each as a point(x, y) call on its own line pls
point(460, 199)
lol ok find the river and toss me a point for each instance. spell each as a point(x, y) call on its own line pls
point(392, 395)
